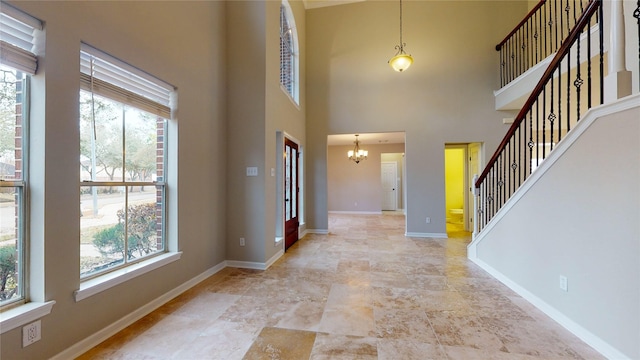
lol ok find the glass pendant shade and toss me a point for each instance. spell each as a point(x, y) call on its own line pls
point(401, 62)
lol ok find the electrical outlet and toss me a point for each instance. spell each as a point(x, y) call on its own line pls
point(428, 220)
point(564, 285)
point(241, 241)
point(31, 333)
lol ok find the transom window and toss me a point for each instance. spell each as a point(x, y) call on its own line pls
point(123, 124)
point(288, 52)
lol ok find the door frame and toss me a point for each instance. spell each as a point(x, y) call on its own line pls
point(278, 173)
point(294, 194)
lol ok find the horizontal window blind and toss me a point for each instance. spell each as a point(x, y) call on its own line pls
point(114, 79)
point(17, 39)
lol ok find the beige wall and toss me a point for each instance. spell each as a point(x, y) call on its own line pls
point(445, 97)
point(258, 110)
point(356, 187)
point(190, 56)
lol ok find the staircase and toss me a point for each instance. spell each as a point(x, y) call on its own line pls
point(560, 196)
point(572, 83)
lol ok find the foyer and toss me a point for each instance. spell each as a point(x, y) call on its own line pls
point(364, 291)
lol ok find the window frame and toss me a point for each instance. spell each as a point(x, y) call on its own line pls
point(18, 33)
point(292, 87)
point(21, 186)
point(125, 94)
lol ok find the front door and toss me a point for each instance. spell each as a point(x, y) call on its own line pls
point(290, 193)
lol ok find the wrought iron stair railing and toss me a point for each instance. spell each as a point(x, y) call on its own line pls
point(539, 35)
point(572, 84)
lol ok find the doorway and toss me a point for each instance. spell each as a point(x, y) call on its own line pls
point(291, 192)
point(462, 163)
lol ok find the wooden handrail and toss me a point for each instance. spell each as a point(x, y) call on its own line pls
point(526, 18)
point(548, 74)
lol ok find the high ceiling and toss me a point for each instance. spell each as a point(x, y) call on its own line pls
point(372, 138)
point(312, 4)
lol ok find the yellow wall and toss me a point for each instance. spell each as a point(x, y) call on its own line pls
point(454, 179)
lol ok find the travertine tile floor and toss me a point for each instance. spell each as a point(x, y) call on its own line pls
point(364, 291)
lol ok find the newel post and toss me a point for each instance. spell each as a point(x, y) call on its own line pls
point(617, 83)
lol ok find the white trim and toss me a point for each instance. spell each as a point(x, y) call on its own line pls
point(427, 235)
point(357, 212)
point(24, 314)
point(101, 283)
point(255, 265)
point(274, 258)
point(585, 335)
point(89, 342)
point(246, 265)
point(589, 118)
point(317, 231)
point(302, 233)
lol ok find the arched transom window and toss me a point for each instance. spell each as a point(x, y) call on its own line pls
point(288, 52)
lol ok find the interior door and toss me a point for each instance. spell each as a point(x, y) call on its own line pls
point(291, 189)
point(389, 171)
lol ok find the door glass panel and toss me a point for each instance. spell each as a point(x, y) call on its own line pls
point(294, 182)
point(287, 184)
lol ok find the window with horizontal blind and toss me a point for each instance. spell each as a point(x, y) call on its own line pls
point(123, 125)
point(17, 63)
point(288, 52)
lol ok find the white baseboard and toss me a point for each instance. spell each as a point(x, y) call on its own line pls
point(274, 258)
point(585, 335)
point(357, 212)
point(427, 235)
point(317, 231)
point(103, 334)
point(255, 265)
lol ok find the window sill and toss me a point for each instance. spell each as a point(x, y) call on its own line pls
point(24, 314)
point(293, 101)
point(278, 241)
point(96, 285)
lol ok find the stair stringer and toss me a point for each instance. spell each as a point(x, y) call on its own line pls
point(538, 282)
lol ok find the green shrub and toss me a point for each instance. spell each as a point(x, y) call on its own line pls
point(8, 272)
point(141, 234)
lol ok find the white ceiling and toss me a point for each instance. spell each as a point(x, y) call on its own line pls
point(312, 4)
point(373, 138)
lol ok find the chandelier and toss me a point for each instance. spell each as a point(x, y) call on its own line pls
point(401, 61)
point(357, 154)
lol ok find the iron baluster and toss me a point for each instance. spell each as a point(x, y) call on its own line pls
point(601, 32)
point(558, 120)
point(589, 85)
point(568, 92)
point(551, 119)
point(577, 83)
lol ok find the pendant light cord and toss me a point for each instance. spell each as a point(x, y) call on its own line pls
point(401, 44)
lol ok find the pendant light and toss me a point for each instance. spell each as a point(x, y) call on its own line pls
point(357, 154)
point(401, 61)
